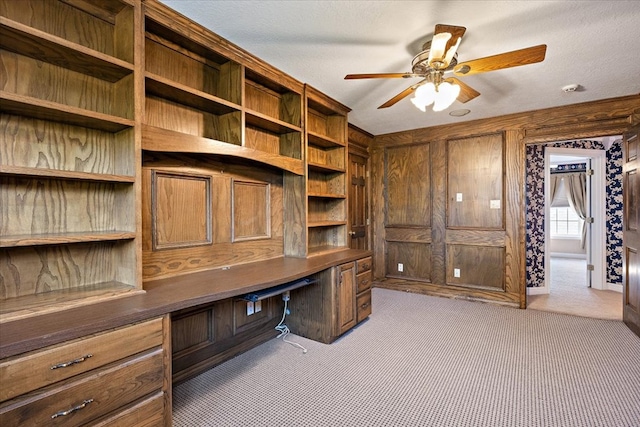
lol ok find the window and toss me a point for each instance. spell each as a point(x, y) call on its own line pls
point(565, 222)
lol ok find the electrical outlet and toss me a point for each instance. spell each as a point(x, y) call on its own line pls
point(458, 197)
point(400, 267)
point(258, 306)
point(250, 308)
point(456, 272)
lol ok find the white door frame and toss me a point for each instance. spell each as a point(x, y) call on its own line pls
point(598, 211)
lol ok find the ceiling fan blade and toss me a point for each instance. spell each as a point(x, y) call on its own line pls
point(456, 33)
point(380, 76)
point(401, 95)
point(526, 56)
point(467, 93)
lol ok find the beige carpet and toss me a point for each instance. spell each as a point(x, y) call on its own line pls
point(427, 361)
point(570, 294)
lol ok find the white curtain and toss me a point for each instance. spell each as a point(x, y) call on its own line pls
point(576, 186)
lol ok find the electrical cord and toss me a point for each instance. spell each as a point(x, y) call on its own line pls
point(284, 330)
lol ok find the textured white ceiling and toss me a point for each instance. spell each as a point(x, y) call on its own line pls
point(595, 44)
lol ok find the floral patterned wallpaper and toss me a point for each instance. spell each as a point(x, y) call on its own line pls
point(535, 209)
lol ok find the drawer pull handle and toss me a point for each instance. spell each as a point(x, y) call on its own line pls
point(69, 411)
point(72, 362)
point(365, 266)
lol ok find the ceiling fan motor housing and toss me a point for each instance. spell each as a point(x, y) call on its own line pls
point(420, 62)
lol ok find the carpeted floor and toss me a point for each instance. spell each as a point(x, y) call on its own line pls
point(428, 361)
point(570, 294)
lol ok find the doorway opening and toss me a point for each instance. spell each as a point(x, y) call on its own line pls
point(571, 270)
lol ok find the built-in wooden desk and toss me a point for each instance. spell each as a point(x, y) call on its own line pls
point(162, 296)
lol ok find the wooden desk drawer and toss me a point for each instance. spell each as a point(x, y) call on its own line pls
point(148, 413)
point(92, 395)
point(363, 281)
point(364, 305)
point(363, 265)
point(40, 368)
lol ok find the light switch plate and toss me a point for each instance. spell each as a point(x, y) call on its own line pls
point(458, 197)
point(250, 308)
point(494, 204)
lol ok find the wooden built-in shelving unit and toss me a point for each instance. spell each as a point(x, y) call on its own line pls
point(92, 89)
point(67, 154)
point(326, 135)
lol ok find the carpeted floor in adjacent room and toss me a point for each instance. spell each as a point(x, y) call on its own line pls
point(428, 361)
point(569, 293)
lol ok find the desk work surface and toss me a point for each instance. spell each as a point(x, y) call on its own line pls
point(162, 296)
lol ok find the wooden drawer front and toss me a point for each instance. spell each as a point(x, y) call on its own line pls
point(364, 305)
point(363, 281)
point(34, 370)
point(363, 265)
point(148, 413)
point(94, 394)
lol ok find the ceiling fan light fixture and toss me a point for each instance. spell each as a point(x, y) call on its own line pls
point(441, 96)
point(446, 94)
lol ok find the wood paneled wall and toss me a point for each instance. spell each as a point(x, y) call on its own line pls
point(207, 213)
point(448, 201)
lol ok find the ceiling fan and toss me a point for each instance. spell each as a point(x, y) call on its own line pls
point(439, 57)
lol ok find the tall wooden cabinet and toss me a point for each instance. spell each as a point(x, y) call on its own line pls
point(68, 153)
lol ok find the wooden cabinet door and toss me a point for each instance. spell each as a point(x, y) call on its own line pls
point(345, 298)
point(631, 233)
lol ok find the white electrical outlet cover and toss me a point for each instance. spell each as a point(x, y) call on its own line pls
point(250, 308)
point(400, 267)
point(456, 272)
point(258, 306)
point(458, 197)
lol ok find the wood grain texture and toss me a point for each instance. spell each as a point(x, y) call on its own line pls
point(251, 210)
point(225, 249)
point(180, 65)
point(606, 117)
point(181, 210)
point(165, 22)
point(40, 144)
point(42, 46)
point(408, 234)
point(191, 330)
point(450, 291)
point(475, 173)
point(481, 266)
point(159, 140)
point(147, 413)
point(34, 370)
point(108, 389)
point(219, 331)
point(56, 207)
point(408, 186)
point(86, 28)
point(439, 209)
point(41, 269)
point(25, 76)
point(163, 296)
point(415, 259)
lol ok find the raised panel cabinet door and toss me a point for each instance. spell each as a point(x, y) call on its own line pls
point(631, 233)
point(346, 312)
